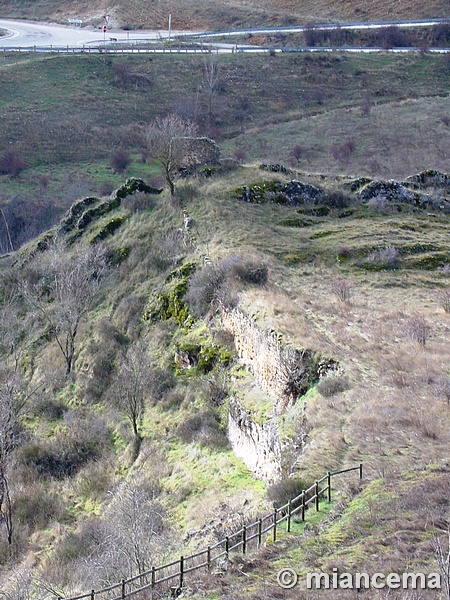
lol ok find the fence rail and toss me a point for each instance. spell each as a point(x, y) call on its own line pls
point(240, 540)
point(113, 48)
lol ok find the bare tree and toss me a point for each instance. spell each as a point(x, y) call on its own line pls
point(442, 553)
point(139, 535)
point(65, 292)
point(12, 404)
point(130, 387)
point(163, 138)
point(210, 85)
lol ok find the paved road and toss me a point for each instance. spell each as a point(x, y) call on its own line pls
point(26, 34)
point(43, 36)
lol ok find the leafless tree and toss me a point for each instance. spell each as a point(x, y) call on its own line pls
point(342, 289)
point(136, 535)
point(13, 399)
point(65, 292)
point(418, 329)
point(163, 138)
point(442, 553)
point(210, 85)
point(130, 386)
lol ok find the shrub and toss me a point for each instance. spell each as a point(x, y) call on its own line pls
point(186, 193)
point(384, 258)
point(47, 406)
point(204, 289)
point(297, 153)
point(418, 329)
point(342, 289)
point(120, 161)
point(67, 453)
point(335, 199)
point(36, 507)
point(444, 300)
point(205, 429)
point(287, 489)
point(248, 270)
point(330, 386)
point(11, 164)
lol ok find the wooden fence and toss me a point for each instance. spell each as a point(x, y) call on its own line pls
point(173, 575)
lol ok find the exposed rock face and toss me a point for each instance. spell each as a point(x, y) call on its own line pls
point(396, 192)
point(284, 373)
point(294, 193)
point(198, 151)
point(427, 178)
point(391, 190)
point(258, 446)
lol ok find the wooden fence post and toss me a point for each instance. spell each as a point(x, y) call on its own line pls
point(289, 516)
point(360, 470)
point(244, 539)
point(153, 577)
point(227, 545)
point(275, 525)
point(123, 588)
point(93, 595)
point(208, 557)
point(259, 533)
point(317, 496)
point(181, 572)
point(303, 505)
point(329, 485)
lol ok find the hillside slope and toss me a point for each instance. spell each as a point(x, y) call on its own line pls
point(360, 277)
point(211, 15)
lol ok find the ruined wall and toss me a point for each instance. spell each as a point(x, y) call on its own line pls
point(283, 372)
point(259, 446)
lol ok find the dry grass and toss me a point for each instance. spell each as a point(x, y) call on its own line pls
point(211, 15)
point(380, 150)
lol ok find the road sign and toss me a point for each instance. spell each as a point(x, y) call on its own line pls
point(104, 28)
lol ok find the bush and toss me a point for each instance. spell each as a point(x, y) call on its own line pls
point(418, 329)
point(385, 258)
point(205, 429)
point(120, 161)
point(203, 289)
point(215, 282)
point(68, 452)
point(330, 386)
point(35, 507)
point(187, 193)
point(444, 300)
point(47, 406)
point(335, 199)
point(342, 289)
point(247, 270)
point(11, 164)
point(288, 489)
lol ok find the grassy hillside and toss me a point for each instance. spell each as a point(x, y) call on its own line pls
point(180, 465)
point(115, 371)
point(210, 15)
point(65, 117)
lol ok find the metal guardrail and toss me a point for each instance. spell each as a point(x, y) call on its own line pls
point(240, 540)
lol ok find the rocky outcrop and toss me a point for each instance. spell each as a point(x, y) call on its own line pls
point(259, 446)
point(429, 178)
point(294, 193)
point(285, 373)
point(391, 190)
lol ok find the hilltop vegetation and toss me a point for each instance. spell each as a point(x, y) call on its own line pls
point(117, 368)
point(69, 123)
point(357, 279)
